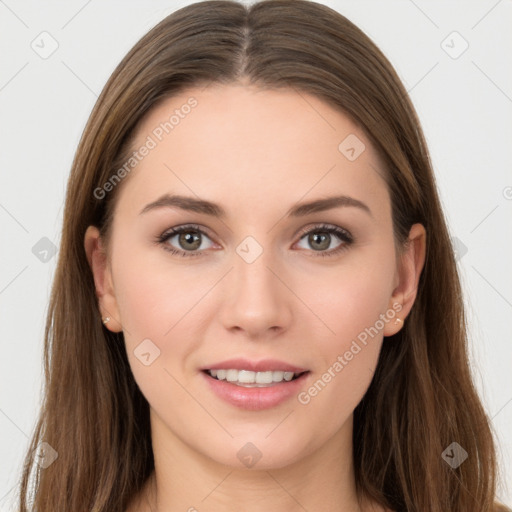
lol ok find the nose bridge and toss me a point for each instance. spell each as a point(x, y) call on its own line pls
point(255, 276)
point(256, 300)
point(252, 274)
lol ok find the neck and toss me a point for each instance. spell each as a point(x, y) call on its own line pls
point(185, 480)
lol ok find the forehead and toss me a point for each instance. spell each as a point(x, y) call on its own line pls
point(251, 147)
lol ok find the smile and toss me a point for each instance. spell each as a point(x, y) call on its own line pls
point(248, 378)
point(245, 392)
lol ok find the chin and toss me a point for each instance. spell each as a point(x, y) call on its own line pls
point(259, 452)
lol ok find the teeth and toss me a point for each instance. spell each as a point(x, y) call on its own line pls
point(263, 377)
point(231, 375)
point(244, 377)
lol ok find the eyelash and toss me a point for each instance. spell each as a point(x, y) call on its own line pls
point(342, 234)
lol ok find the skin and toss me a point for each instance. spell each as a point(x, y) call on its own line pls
point(256, 153)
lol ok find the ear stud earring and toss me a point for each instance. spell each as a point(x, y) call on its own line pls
point(106, 319)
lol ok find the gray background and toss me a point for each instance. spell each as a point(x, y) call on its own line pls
point(464, 101)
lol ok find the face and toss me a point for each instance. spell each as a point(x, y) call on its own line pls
point(312, 289)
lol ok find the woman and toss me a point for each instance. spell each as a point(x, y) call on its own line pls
point(256, 305)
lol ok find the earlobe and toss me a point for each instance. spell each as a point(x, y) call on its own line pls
point(409, 272)
point(98, 262)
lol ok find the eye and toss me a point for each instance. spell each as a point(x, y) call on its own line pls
point(188, 237)
point(320, 238)
point(190, 243)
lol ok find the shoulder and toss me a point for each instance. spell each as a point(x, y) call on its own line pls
point(498, 507)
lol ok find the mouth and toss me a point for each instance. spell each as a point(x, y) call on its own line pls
point(252, 379)
point(255, 386)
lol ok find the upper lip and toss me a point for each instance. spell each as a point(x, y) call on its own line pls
point(255, 366)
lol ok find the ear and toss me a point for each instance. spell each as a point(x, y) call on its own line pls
point(100, 267)
point(408, 276)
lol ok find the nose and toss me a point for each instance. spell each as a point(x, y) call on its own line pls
point(256, 297)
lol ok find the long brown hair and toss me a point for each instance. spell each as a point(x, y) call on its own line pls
point(421, 398)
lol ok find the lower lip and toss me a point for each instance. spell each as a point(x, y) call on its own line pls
point(255, 399)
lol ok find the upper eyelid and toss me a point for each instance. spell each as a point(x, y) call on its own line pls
point(185, 227)
point(323, 225)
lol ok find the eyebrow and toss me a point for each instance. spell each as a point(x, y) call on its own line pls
point(209, 208)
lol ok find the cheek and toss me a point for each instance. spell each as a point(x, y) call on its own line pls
point(151, 294)
point(160, 301)
point(352, 305)
point(349, 298)
point(150, 301)
point(153, 306)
